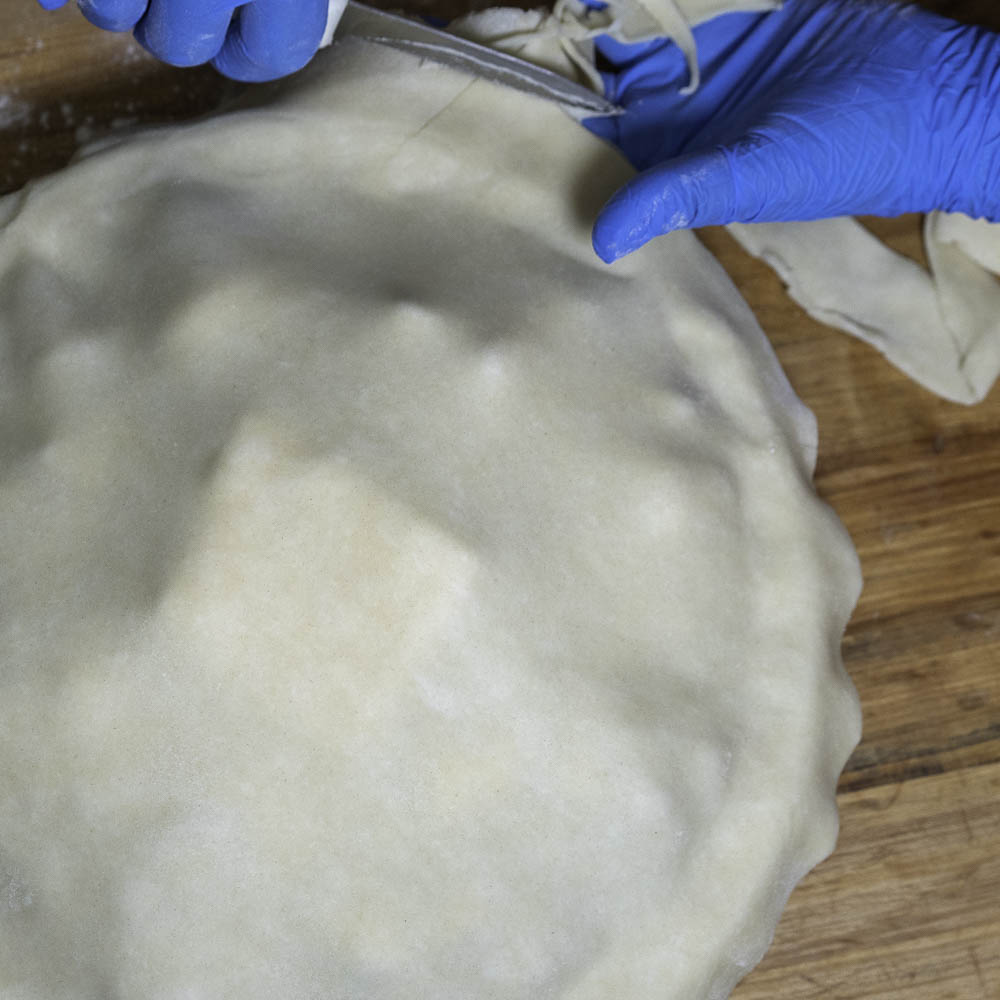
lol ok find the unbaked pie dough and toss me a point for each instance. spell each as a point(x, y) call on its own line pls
point(395, 602)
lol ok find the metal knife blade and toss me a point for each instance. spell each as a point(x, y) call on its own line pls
point(410, 35)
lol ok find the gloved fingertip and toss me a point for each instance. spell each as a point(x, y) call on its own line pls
point(606, 243)
point(642, 210)
point(113, 15)
point(611, 249)
point(266, 44)
point(608, 252)
point(234, 62)
point(183, 42)
point(614, 236)
point(52, 4)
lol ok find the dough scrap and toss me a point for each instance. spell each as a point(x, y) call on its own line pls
point(941, 327)
point(396, 602)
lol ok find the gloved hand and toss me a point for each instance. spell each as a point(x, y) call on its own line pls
point(249, 41)
point(822, 108)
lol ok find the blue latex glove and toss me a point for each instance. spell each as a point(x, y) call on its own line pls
point(250, 41)
point(822, 108)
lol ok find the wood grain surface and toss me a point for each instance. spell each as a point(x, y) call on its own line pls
point(908, 908)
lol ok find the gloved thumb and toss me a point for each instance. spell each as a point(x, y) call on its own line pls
point(739, 183)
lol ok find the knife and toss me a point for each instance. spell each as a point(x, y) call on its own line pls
point(421, 39)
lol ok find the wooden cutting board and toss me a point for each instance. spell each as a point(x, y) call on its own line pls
point(908, 908)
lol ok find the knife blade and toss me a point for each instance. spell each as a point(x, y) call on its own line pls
point(409, 35)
